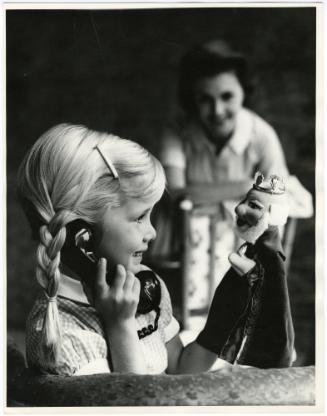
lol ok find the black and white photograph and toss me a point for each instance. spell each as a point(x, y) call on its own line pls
point(164, 176)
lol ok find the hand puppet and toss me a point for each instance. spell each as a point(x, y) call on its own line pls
point(250, 320)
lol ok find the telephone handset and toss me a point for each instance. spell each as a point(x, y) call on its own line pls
point(77, 253)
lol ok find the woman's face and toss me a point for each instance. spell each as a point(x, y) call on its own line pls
point(217, 102)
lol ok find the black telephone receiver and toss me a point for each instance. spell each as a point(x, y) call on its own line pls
point(77, 253)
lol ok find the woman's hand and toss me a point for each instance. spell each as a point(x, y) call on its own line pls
point(117, 303)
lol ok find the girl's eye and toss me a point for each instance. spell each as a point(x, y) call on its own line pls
point(139, 219)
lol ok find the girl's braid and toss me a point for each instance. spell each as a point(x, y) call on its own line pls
point(52, 238)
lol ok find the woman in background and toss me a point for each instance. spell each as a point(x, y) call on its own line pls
point(211, 153)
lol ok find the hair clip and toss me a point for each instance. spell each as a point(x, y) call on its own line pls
point(108, 162)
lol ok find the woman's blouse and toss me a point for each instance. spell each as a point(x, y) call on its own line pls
point(253, 146)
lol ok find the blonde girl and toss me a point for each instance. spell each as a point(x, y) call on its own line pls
point(111, 184)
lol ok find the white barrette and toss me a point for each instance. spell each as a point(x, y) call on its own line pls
point(108, 162)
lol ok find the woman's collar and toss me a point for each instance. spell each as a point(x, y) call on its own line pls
point(194, 133)
point(195, 136)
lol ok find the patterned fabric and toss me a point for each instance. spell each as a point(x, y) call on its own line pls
point(83, 338)
point(253, 146)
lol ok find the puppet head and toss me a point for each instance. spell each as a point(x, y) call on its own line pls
point(264, 205)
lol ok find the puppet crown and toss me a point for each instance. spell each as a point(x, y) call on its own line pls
point(273, 185)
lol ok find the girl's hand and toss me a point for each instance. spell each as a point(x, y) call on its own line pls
point(240, 263)
point(117, 303)
point(117, 306)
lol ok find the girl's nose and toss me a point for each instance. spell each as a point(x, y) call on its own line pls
point(151, 233)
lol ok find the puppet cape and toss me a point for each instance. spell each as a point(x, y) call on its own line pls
point(250, 320)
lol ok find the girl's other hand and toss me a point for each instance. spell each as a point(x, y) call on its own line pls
point(240, 263)
point(117, 303)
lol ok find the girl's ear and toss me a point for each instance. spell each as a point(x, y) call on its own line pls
point(278, 214)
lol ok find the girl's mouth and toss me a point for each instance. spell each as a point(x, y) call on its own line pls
point(138, 254)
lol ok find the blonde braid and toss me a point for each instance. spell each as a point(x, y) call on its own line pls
point(52, 238)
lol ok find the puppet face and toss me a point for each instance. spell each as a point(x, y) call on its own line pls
point(252, 215)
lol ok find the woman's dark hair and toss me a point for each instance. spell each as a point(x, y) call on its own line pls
point(209, 59)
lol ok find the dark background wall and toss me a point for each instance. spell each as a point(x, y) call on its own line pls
point(116, 70)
